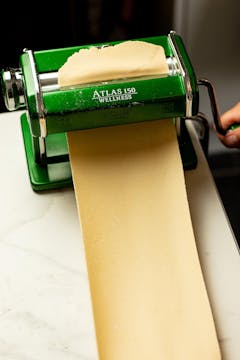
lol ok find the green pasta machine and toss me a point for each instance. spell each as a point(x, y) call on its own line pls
point(51, 112)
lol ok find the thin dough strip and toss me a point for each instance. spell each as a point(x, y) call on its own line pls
point(148, 294)
point(126, 59)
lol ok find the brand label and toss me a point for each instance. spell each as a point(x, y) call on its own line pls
point(106, 96)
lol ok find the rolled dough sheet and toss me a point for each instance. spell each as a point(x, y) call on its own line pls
point(148, 294)
point(127, 59)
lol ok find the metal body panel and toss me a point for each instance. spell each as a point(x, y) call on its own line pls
point(167, 91)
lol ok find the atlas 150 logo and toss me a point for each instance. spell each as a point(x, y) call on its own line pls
point(114, 95)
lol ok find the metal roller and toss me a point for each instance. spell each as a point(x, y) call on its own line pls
point(13, 84)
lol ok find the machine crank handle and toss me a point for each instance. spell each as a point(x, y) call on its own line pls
point(214, 106)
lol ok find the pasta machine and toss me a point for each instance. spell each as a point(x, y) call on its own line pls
point(51, 112)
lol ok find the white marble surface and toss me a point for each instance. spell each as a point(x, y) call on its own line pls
point(218, 252)
point(45, 309)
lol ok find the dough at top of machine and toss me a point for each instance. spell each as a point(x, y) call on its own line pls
point(132, 58)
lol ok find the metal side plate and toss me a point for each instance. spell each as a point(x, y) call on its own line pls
point(53, 175)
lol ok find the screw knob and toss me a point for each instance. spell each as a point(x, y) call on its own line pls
point(13, 92)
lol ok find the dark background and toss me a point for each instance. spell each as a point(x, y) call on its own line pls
point(56, 24)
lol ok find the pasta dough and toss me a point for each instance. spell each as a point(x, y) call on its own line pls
point(126, 59)
point(148, 294)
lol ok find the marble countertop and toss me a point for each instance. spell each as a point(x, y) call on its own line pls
point(45, 308)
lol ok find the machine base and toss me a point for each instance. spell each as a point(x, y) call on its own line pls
point(58, 175)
